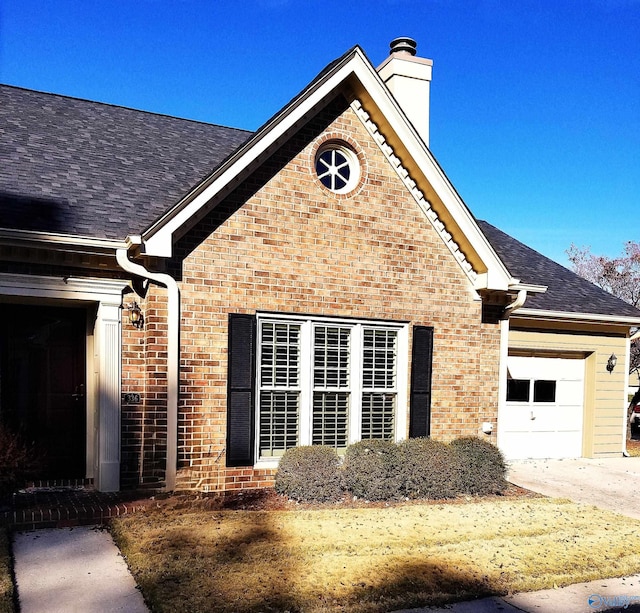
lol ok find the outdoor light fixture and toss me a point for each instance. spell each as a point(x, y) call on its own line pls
point(135, 315)
point(611, 362)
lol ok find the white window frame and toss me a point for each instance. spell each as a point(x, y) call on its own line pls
point(305, 420)
point(331, 171)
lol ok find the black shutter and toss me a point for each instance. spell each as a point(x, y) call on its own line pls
point(421, 367)
point(241, 389)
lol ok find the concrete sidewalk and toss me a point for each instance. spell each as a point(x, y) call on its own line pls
point(610, 595)
point(69, 570)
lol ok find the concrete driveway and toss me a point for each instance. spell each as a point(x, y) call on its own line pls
point(611, 483)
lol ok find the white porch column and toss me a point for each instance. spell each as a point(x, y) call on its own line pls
point(107, 457)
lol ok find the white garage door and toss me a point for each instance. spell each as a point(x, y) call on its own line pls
point(544, 410)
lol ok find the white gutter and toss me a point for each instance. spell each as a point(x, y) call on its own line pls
point(173, 352)
point(585, 317)
point(51, 240)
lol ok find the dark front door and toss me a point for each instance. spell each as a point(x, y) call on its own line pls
point(42, 379)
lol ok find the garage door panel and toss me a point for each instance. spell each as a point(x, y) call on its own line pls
point(515, 417)
point(542, 418)
point(570, 392)
point(551, 427)
point(519, 443)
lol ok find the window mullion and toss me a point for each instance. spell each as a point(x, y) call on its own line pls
point(355, 417)
point(306, 383)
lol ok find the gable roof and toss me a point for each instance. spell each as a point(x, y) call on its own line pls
point(566, 292)
point(79, 172)
point(89, 169)
point(353, 75)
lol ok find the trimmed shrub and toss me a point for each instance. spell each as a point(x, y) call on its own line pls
point(429, 469)
point(481, 466)
point(371, 470)
point(309, 474)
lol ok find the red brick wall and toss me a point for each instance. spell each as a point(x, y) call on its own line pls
point(282, 242)
point(144, 372)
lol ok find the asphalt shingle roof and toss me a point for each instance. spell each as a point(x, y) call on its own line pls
point(89, 169)
point(84, 168)
point(566, 291)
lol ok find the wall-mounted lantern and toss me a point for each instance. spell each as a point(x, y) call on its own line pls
point(135, 315)
point(611, 362)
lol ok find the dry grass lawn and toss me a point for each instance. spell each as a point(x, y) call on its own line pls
point(365, 560)
point(6, 580)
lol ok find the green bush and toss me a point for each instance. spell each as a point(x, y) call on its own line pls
point(429, 469)
point(481, 466)
point(309, 474)
point(371, 470)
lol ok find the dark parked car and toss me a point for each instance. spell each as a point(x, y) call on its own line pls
point(634, 418)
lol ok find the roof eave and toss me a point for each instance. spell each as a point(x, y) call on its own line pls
point(158, 238)
point(593, 318)
point(58, 242)
point(495, 276)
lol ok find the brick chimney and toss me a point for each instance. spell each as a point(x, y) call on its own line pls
point(409, 79)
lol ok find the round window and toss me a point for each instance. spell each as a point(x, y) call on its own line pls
point(337, 168)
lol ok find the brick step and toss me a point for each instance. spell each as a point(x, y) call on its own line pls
point(57, 506)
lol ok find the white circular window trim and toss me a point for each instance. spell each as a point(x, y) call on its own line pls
point(337, 167)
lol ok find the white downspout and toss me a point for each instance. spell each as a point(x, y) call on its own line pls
point(627, 359)
point(173, 354)
point(518, 302)
point(504, 354)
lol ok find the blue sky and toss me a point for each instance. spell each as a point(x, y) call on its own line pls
point(535, 104)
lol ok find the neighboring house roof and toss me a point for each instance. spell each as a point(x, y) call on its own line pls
point(95, 170)
point(566, 292)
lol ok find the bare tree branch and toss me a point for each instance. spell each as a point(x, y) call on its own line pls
point(619, 276)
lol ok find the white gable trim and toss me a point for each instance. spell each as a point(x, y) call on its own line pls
point(158, 239)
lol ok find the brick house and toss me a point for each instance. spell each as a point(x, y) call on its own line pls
point(181, 302)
